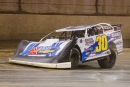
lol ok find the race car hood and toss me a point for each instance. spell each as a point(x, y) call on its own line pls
point(49, 51)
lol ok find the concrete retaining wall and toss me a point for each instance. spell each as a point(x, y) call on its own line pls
point(31, 27)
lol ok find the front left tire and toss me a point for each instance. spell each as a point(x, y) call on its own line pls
point(74, 58)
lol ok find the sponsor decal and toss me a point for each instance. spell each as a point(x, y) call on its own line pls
point(116, 28)
point(116, 35)
point(81, 41)
point(120, 48)
point(106, 28)
point(27, 49)
point(34, 50)
point(119, 43)
point(87, 53)
point(90, 48)
point(89, 41)
point(47, 51)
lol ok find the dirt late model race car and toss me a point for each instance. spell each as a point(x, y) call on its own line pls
point(67, 47)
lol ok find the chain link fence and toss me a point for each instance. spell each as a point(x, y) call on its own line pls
point(66, 7)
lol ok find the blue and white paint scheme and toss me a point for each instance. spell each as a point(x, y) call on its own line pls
point(47, 48)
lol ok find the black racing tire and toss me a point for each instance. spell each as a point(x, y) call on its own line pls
point(109, 61)
point(74, 58)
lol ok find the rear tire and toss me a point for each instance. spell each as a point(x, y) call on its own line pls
point(74, 58)
point(109, 61)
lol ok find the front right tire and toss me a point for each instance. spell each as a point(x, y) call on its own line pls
point(109, 61)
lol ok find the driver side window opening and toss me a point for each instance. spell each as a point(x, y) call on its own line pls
point(94, 31)
point(80, 33)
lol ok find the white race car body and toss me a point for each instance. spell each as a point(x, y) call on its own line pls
point(91, 41)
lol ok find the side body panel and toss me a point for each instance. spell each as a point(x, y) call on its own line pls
point(116, 38)
point(91, 48)
point(96, 46)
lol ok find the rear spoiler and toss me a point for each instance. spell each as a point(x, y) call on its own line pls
point(117, 27)
point(107, 27)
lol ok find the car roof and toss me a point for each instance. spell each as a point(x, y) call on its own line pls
point(83, 27)
point(74, 28)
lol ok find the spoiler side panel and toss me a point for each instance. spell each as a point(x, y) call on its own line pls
point(117, 36)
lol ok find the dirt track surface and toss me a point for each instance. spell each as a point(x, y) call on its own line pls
point(86, 75)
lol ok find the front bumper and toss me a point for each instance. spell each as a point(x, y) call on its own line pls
point(47, 65)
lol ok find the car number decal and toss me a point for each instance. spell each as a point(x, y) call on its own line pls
point(102, 43)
